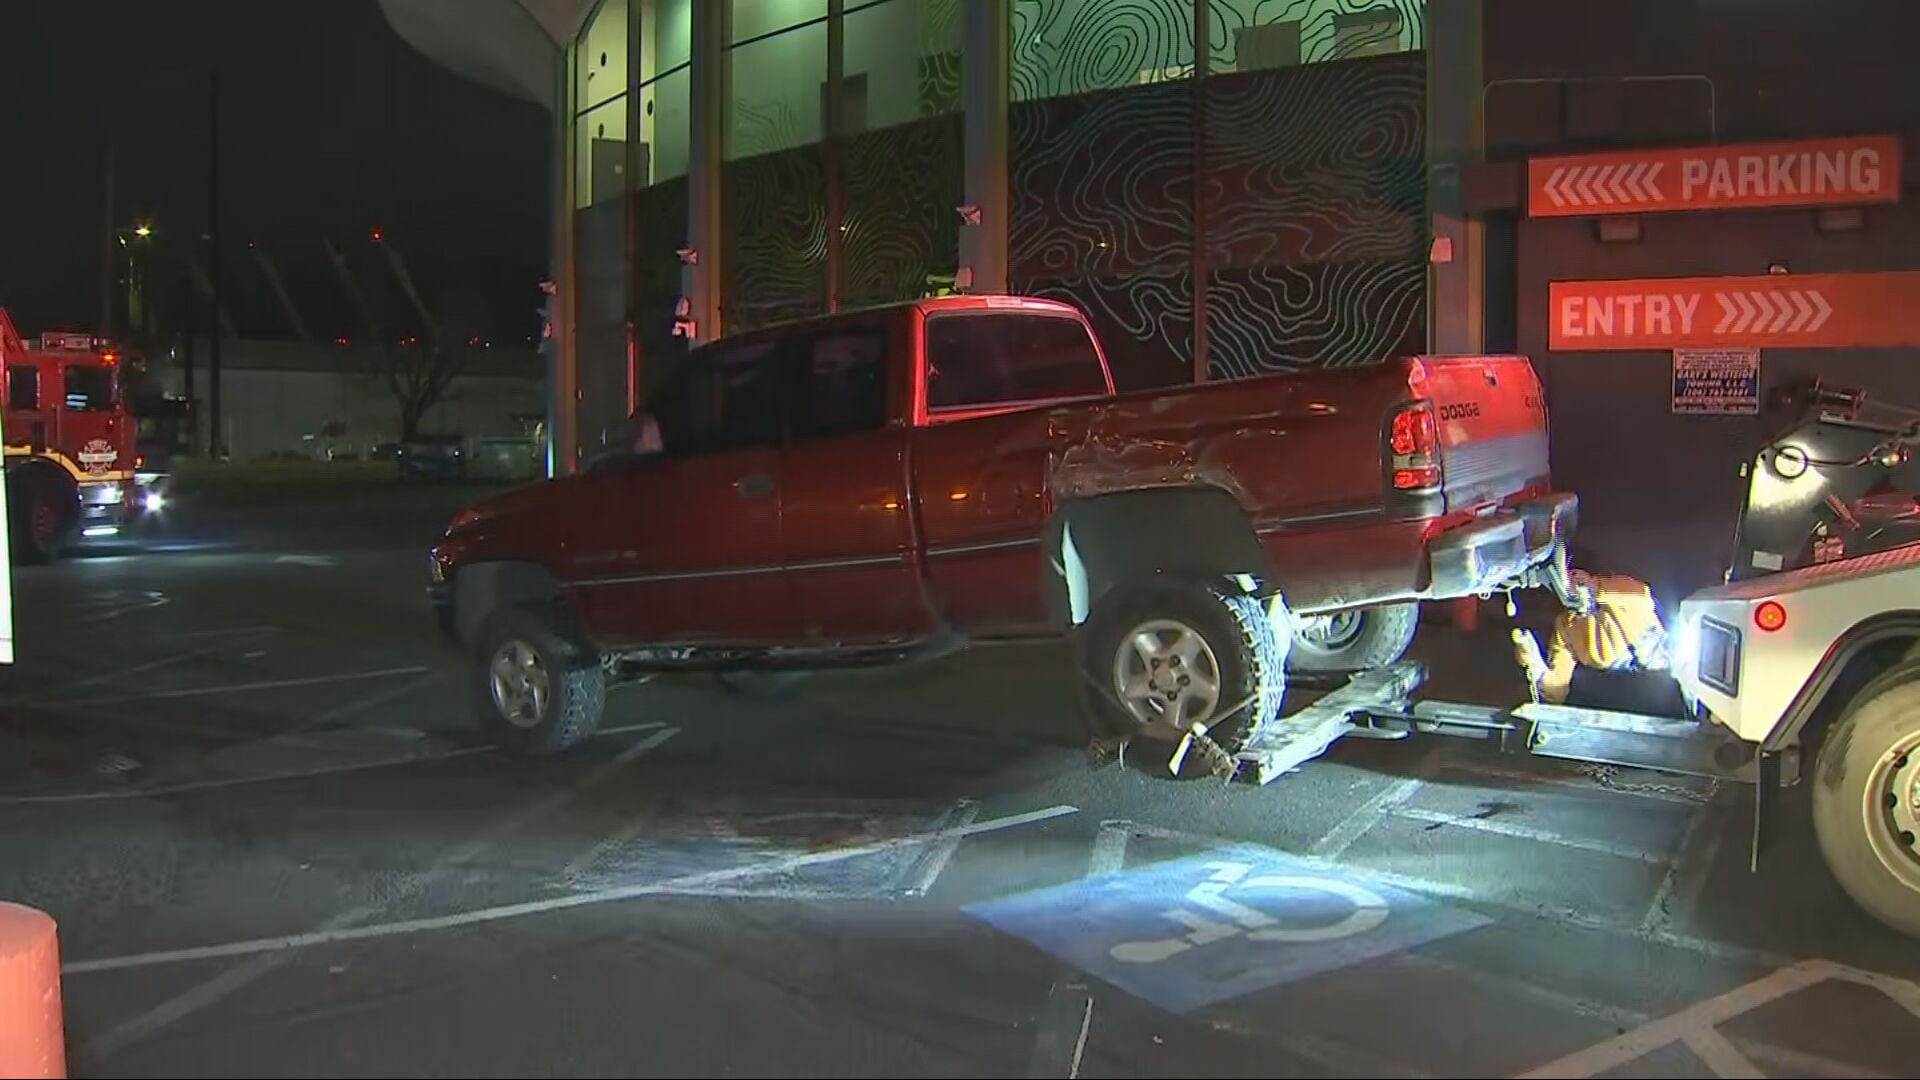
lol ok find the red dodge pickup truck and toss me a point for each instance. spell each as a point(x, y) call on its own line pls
point(880, 484)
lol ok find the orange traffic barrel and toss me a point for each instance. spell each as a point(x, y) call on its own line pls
point(31, 1042)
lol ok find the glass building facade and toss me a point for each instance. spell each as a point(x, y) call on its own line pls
point(1227, 187)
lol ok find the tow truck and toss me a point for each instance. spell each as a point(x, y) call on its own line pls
point(1809, 651)
point(71, 464)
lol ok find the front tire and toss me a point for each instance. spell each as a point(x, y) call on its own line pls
point(1866, 799)
point(1156, 660)
point(1358, 640)
point(538, 692)
point(41, 522)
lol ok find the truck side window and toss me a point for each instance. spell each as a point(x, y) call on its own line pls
point(745, 396)
point(846, 383)
point(998, 358)
point(23, 387)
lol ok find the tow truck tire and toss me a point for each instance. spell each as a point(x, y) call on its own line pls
point(1359, 640)
point(1247, 652)
point(538, 692)
point(1868, 763)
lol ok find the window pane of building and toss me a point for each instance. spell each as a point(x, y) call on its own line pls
point(665, 85)
point(779, 73)
point(902, 62)
point(600, 153)
point(601, 72)
point(1059, 47)
point(1260, 35)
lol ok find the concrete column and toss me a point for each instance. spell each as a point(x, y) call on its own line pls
point(835, 123)
point(1456, 287)
point(563, 355)
point(984, 96)
point(708, 93)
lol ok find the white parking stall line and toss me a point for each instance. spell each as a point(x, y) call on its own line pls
point(1695, 1026)
point(691, 883)
point(1109, 848)
point(924, 871)
point(292, 774)
point(1791, 1062)
point(1060, 1034)
point(236, 688)
point(1527, 832)
point(114, 674)
point(1368, 814)
point(263, 961)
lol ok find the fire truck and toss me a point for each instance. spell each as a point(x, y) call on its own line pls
point(69, 443)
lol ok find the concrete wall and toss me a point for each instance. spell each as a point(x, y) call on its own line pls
point(277, 397)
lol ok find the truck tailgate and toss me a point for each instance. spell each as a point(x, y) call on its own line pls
point(1492, 426)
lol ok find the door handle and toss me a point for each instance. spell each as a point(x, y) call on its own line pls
point(754, 485)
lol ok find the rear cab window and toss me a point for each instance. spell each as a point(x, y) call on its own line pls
point(997, 359)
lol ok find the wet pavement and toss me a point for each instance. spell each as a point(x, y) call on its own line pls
point(241, 772)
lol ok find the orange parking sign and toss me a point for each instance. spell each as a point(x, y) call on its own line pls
point(1803, 172)
point(1775, 310)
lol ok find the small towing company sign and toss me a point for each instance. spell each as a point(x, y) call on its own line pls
point(1774, 310)
point(1814, 172)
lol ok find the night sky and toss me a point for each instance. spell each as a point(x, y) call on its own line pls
point(330, 125)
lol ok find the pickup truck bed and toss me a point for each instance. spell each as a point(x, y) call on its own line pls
point(871, 484)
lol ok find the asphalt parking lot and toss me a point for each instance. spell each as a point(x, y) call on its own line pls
point(237, 767)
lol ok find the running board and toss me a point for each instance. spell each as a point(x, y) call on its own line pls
point(1289, 742)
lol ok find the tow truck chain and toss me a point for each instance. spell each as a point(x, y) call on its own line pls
point(1608, 776)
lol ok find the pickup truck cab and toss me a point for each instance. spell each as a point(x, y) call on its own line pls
point(884, 483)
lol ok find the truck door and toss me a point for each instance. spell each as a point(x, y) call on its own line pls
point(92, 431)
point(685, 547)
point(851, 562)
point(26, 412)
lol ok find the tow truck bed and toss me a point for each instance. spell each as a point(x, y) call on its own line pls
point(1382, 704)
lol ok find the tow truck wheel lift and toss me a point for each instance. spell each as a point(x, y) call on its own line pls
point(1384, 704)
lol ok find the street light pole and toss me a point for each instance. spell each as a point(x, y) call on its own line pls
point(108, 239)
point(216, 436)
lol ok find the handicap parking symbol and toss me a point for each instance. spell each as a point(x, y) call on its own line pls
point(1204, 929)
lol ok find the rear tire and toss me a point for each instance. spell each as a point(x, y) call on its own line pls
point(1866, 799)
point(1358, 640)
point(538, 691)
point(1218, 637)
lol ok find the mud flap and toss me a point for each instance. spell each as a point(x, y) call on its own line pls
point(1766, 803)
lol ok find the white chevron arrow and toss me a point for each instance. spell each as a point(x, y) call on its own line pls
point(1651, 181)
point(1552, 185)
point(1727, 312)
point(1600, 180)
point(1784, 305)
point(1802, 311)
point(1619, 193)
point(1746, 312)
point(1634, 172)
point(1765, 309)
point(1822, 310)
point(1583, 185)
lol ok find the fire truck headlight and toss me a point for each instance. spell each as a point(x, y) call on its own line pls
point(155, 502)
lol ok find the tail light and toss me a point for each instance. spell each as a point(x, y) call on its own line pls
point(1412, 439)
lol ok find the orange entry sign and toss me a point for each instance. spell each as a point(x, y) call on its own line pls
point(1805, 172)
point(1774, 310)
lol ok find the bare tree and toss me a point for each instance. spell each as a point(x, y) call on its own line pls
point(417, 373)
